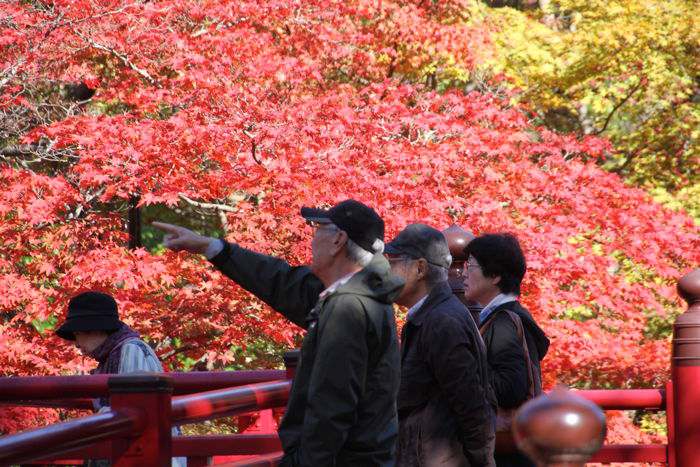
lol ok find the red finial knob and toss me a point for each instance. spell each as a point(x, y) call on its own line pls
point(457, 238)
point(689, 289)
point(559, 428)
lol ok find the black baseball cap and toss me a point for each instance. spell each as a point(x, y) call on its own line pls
point(421, 241)
point(362, 224)
point(90, 311)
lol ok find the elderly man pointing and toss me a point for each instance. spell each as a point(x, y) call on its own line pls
point(342, 409)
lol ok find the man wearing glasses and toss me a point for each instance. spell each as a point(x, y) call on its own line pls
point(342, 408)
point(446, 405)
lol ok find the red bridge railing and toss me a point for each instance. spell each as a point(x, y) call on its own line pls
point(137, 430)
point(144, 406)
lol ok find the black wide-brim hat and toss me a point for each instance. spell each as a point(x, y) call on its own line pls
point(90, 311)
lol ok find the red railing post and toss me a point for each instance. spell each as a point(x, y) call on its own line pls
point(670, 427)
point(149, 395)
point(685, 375)
point(65, 437)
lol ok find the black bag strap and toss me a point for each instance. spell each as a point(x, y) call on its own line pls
point(518, 322)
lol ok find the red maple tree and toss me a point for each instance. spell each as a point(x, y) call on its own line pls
point(252, 109)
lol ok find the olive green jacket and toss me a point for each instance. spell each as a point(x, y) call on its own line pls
point(342, 407)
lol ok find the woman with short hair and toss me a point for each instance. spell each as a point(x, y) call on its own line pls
point(515, 344)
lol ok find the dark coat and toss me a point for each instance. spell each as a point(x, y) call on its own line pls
point(446, 405)
point(507, 363)
point(342, 407)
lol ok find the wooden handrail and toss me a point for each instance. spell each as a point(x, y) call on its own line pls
point(67, 436)
point(607, 399)
point(187, 446)
point(26, 388)
point(80, 403)
point(227, 402)
point(625, 399)
point(238, 400)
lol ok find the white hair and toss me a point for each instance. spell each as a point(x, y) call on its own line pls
point(378, 246)
point(359, 255)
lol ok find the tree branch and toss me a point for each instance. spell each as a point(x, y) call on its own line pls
point(224, 221)
point(174, 352)
point(199, 204)
point(39, 152)
point(9, 73)
point(59, 24)
point(21, 150)
point(619, 104)
point(253, 147)
point(121, 57)
point(620, 168)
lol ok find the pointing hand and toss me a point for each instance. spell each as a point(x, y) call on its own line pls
point(179, 238)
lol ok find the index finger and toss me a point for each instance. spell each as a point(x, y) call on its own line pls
point(170, 228)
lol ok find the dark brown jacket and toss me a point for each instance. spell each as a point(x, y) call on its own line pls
point(446, 405)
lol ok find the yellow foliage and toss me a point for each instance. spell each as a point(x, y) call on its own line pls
point(625, 69)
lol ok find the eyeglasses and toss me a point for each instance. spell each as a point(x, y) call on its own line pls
point(321, 225)
point(472, 266)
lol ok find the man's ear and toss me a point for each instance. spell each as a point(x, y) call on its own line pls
point(495, 280)
point(422, 266)
point(340, 240)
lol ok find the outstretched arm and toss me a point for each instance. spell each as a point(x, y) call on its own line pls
point(292, 291)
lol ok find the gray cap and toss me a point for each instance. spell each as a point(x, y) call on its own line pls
point(421, 241)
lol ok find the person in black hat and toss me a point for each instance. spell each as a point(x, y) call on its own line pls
point(342, 408)
point(446, 406)
point(93, 324)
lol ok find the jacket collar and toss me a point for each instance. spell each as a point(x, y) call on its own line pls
point(437, 295)
point(336, 285)
point(495, 304)
point(374, 280)
point(416, 306)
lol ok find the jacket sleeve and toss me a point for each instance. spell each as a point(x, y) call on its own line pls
point(453, 355)
point(506, 362)
point(292, 291)
point(337, 381)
